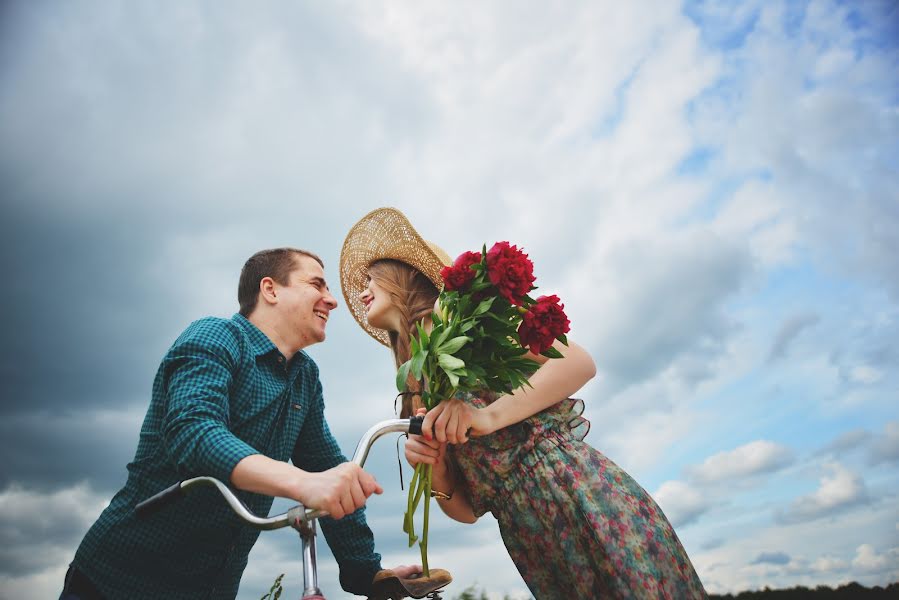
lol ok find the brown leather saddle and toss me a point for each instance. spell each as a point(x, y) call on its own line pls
point(388, 586)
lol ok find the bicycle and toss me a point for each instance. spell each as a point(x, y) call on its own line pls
point(303, 519)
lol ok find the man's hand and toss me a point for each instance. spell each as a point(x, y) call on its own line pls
point(340, 491)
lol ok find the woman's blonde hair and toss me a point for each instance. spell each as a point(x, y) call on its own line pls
point(414, 295)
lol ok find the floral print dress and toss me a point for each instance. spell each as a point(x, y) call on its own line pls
point(575, 524)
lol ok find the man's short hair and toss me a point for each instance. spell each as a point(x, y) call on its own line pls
point(277, 263)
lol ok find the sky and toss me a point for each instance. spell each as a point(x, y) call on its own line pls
point(712, 188)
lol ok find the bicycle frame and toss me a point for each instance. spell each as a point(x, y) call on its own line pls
point(299, 517)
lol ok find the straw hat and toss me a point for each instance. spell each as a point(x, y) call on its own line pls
point(384, 233)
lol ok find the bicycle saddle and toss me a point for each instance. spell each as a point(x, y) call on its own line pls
point(388, 586)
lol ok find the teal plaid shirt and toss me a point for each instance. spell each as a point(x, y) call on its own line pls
point(222, 392)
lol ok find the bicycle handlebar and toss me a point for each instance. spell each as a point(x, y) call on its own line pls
point(295, 515)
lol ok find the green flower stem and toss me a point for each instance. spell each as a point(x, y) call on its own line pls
point(423, 544)
point(407, 518)
point(416, 489)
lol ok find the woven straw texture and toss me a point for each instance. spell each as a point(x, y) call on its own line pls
point(384, 233)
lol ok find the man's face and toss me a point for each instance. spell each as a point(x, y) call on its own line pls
point(305, 303)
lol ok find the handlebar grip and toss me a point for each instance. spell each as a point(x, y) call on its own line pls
point(154, 503)
point(415, 424)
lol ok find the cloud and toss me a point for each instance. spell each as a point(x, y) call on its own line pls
point(846, 442)
point(880, 448)
point(865, 374)
point(40, 530)
point(868, 560)
point(672, 306)
point(838, 491)
point(682, 503)
point(797, 124)
point(789, 330)
point(774, 558)
point(885, 447)
point(686, 180)
point(754, 458)
point(829, 564)
point(38, 447)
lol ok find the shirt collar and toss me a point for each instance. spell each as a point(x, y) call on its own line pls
point(259, 341)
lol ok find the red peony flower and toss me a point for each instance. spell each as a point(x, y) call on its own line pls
point(542, 323)
point(458, 276)
point(510, 271)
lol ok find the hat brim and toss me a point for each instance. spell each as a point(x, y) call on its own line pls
point(384, 233)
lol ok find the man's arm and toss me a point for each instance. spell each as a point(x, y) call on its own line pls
point(199, 372)
point(340, 490)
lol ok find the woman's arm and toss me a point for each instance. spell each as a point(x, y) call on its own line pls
point(557, 378)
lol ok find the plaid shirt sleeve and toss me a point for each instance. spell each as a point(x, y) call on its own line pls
point(195, 430)
point(350, 538)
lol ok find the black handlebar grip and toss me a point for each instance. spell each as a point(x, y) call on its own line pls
point(415, 424)
point(154, 503)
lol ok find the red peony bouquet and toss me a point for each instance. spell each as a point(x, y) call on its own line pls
point(481, 332)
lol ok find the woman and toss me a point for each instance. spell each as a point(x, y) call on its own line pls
point(574, 523)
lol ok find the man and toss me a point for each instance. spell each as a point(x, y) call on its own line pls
point(234, 399)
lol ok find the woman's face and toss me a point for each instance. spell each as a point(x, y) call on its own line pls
point(379, 308)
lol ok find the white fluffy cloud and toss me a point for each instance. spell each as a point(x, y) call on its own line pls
point(682, 503)
point(760, 456)
point(868, 560)
point(839, 490)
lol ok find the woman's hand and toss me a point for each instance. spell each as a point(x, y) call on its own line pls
point(453, 421)
point(421, 450)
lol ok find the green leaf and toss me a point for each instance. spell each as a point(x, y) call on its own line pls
point(484, 306)
point(454, 379)
point(402, 374)
point(454, 345)
point(551, 353)
point(479, 286)
point(422, 336)
point(450, 363)
point(437, 336)
point(418, 361)
point(563, 338)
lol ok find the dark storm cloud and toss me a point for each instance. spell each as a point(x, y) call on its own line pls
point(146, 154)
point(46, 450)
point(84, 324)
